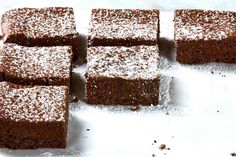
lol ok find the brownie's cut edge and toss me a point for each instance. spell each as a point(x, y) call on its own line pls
point(204, 36)
point(109, 91)
point(37, 65)
point(123, 27)
point(33, 117)
point(123, 75)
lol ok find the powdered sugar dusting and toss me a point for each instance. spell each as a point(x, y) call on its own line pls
point(204, 24)
point(40, 22)
point(124, 23)
point(126, 62)
point(34, 104)
point(37, 62)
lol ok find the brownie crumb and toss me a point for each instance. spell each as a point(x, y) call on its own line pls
point(162, 147)
point(74, 99)
point(168, 148)
point(233, 154)
point(167, 113)
point(212, 72)
point(155, 141)
point(135, 108)
point(223, 75)
point(217, 111)
point(153, 155)
point(87, 129)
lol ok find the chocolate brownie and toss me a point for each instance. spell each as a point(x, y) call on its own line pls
point(122, 75)
point(33, 117)
point(204, 36)
point(37, 65)
point(53, 26)
point(123, 27)
point(2, 57)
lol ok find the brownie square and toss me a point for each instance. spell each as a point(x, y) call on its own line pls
point(39, 26)
point(2, 67)
point(204, 36)
point(123, 27)
point(33, 117)
point(122, 75)
point(53, 26)
point(37, 65)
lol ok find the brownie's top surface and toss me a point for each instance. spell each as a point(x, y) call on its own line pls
point(125, 62)
point(204, 24)
point(38, 62)
point(40, 22)
point(34, 104)
point(122, 24)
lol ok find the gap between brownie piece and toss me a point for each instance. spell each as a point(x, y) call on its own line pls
point(123, 75)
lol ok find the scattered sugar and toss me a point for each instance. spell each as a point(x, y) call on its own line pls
point(38, 62)
point(40, 22)
point(204, 24)
point(34, 104)
point(126, 62)
point(124, 23)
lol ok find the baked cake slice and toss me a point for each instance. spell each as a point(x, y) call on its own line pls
point(123, 75)
point(204, 36)
point(123, 27)
point(37, 65)
point(33, 117)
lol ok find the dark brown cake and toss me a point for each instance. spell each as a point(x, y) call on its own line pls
point(123, 75)
point(33, 117)
point(204, 36)
point(123, 27)
point(54, 26)
point(37, 65)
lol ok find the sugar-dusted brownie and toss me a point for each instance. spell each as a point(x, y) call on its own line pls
point(204, 36)
point(123, 27)
point(53, 26)
point(2, 60)
point(122, 75)
point(37, 65)
point(33, 116)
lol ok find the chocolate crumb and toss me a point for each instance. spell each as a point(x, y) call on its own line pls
point(217, 111)
point(153, 155)
point(212, 72)
point(223, 75)
point(87, 129)
point(135, 108)
point(155, 141)
point(168, 148)
point(162, 147)
point(74, 99)
point(233, 154)
point(167, 113)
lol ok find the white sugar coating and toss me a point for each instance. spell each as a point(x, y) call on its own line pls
point(39, 22)
point(125, 62)
point(34, 104)
point(38, 62)
point(204, 24)
point(124, 23)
